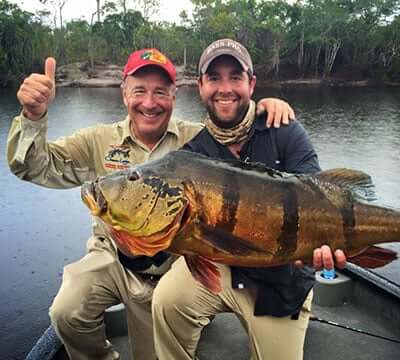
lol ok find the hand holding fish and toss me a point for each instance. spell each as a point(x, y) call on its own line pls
point(323, 258)
point(38, 91)
point(279, 111)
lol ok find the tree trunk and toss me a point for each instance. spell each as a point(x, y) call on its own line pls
point(300, 54)
point(90, 47)
point(276, 58)
point(98, 10)
point(330, 56)
point(61, 18)
point(317, 53)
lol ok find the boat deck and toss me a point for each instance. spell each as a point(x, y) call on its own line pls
point(225, 339)
point(370, 309)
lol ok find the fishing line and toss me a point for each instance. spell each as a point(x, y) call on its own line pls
point(328, 322)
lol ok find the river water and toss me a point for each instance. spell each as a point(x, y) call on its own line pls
point(41, 229)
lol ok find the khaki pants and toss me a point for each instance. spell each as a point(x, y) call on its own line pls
point(89, 287)
point(182, 307)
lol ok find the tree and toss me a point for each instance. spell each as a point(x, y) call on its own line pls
point(273, 19)
point(148, 8)
point(33, 38)
point(58, 6)
point(308, 37)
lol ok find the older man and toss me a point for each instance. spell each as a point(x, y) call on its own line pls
point(272, 303)
point(104, 276)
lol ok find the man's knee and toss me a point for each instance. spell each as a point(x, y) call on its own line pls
point(80, 301)
point(76, 307)
point(170, 297)
point(165, 297)
point(63, 312)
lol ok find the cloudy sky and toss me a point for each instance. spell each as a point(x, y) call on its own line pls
point(74, 9)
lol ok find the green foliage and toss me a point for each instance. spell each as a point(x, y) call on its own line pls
point(313, 37)
point(24, 42)
point(77, 40)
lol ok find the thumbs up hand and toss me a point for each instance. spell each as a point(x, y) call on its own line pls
point(37, 91)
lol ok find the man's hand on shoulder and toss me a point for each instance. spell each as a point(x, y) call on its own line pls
point(279, 111)
point(37, 91)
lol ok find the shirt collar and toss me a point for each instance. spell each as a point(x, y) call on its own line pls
point(126, 132)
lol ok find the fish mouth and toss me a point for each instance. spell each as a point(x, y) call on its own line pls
point(93, 198)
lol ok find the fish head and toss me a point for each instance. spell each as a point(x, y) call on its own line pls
point(142, 212)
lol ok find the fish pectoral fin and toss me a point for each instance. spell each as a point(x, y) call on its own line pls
point(374, 257)
point(227, 242)
point(204, 271)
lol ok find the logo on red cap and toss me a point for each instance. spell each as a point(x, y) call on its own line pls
point(154, 55)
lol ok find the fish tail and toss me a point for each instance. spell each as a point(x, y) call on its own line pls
point(374, 257)
point(373, 225)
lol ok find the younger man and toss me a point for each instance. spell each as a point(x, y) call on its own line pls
point(272, 303)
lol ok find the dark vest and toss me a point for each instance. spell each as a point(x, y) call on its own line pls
point(282, 290)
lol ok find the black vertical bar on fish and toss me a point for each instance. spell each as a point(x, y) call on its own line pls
point(230, 204)
point(288, 238)
point(348, 221)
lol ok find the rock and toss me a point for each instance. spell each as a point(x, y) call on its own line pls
point(107, 75)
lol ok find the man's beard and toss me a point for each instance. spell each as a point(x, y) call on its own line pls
point(232, 135)
point(228, 123)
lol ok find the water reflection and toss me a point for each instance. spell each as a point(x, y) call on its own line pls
point(356, 128)
point(41, 230)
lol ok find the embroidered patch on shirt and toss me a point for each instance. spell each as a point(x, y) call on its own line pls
point(117, 157)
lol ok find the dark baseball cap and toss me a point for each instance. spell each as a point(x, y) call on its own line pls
point(225, 47)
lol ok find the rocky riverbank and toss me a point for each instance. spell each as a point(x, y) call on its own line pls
point(78, 75)
point(106, 75)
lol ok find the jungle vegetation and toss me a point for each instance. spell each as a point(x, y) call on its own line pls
point(353, 39)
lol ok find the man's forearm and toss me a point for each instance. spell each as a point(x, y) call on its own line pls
point(31, 158)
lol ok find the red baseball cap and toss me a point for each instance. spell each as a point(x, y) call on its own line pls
point(145, 57)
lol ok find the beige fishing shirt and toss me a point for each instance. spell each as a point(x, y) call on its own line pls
point(88, 153)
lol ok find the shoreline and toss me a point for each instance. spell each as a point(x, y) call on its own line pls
point(112, 83)
point(191, 81)
point(105, 75)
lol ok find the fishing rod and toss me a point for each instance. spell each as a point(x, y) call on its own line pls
point(332, 323)
point(330, 274)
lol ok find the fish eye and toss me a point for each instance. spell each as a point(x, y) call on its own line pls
point(133, 175)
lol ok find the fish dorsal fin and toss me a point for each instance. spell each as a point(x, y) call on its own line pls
point(345, 177)
point(238, 164)
point(356, 181)
point(252, 166)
